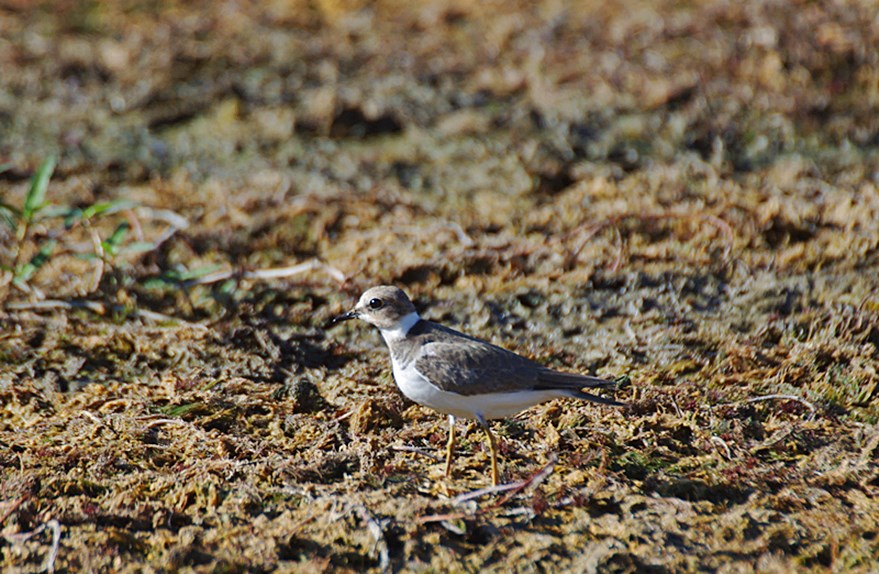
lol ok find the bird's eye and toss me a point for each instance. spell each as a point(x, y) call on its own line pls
point(376, 303)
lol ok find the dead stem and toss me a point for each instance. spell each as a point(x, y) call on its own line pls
point(377, 532)
point(613, 222)
point(51, 557)
point(12, 508)
point(511, 489)
point(275, 273)
point(99, 261)
point(415, 450)
point(803, 402)
point(98, 309)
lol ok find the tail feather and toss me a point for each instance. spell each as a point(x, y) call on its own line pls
point(596, 399)
point(559, 380)
point(575, 383)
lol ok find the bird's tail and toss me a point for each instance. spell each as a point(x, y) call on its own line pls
point(596, 399)
point(575, 383)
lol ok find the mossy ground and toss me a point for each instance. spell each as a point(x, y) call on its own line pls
point(682, 194)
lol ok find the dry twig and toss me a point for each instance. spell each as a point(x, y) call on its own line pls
point(56, 544)
point(803, 402)
point(13, 508)
point(55, 526)
point(51, 304)
point(377, 532)
point(511, 489)
point(812, 408)
point(721, 442)
point(100, 422)
point(415, 450)
point(99, 261)
point(275, 273)
point(175, 221)
point(96, 308)
point(722, 226)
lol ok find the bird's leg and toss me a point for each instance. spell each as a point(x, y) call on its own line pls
point(450, 447)
point(493, 443)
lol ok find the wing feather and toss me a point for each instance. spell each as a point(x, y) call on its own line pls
point(475, 368)
point(461, 364)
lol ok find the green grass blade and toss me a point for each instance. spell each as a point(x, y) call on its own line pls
point(75, 215)
point(107, 207)
point(72, 217)
point(48, 211)
point(180, 410)
point(26, 271)
point(36, 193)
point(174, 277)
point(138, 247)
point(119, 235)
point(199, 272)
point(10, 208)
point(9, 215)
point(88, 256)
point(113, 243)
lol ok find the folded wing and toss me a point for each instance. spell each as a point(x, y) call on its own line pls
point(474, 367)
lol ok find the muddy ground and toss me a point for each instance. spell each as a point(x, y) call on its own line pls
point(681, 196)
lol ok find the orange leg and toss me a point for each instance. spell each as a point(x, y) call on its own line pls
point(450, 447)
point(493, 443)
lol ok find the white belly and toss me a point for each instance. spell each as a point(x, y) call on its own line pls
point(490, 406)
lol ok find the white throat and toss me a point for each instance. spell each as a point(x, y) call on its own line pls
point(401, 329)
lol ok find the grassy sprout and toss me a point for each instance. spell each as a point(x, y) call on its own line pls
point(29, 251)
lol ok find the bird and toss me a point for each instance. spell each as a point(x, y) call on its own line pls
point(461, 376)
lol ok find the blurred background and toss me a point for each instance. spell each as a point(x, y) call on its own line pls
point(356, 132)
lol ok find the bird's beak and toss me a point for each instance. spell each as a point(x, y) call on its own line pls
point(345, 317)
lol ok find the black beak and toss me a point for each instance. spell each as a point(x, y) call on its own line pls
point(344, 317)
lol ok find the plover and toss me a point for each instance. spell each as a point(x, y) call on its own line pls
point(461, 376)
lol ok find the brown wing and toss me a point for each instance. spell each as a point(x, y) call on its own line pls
point(470, 367)
point(461, 364)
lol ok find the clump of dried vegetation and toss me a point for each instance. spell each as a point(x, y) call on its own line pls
point(684, 195)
